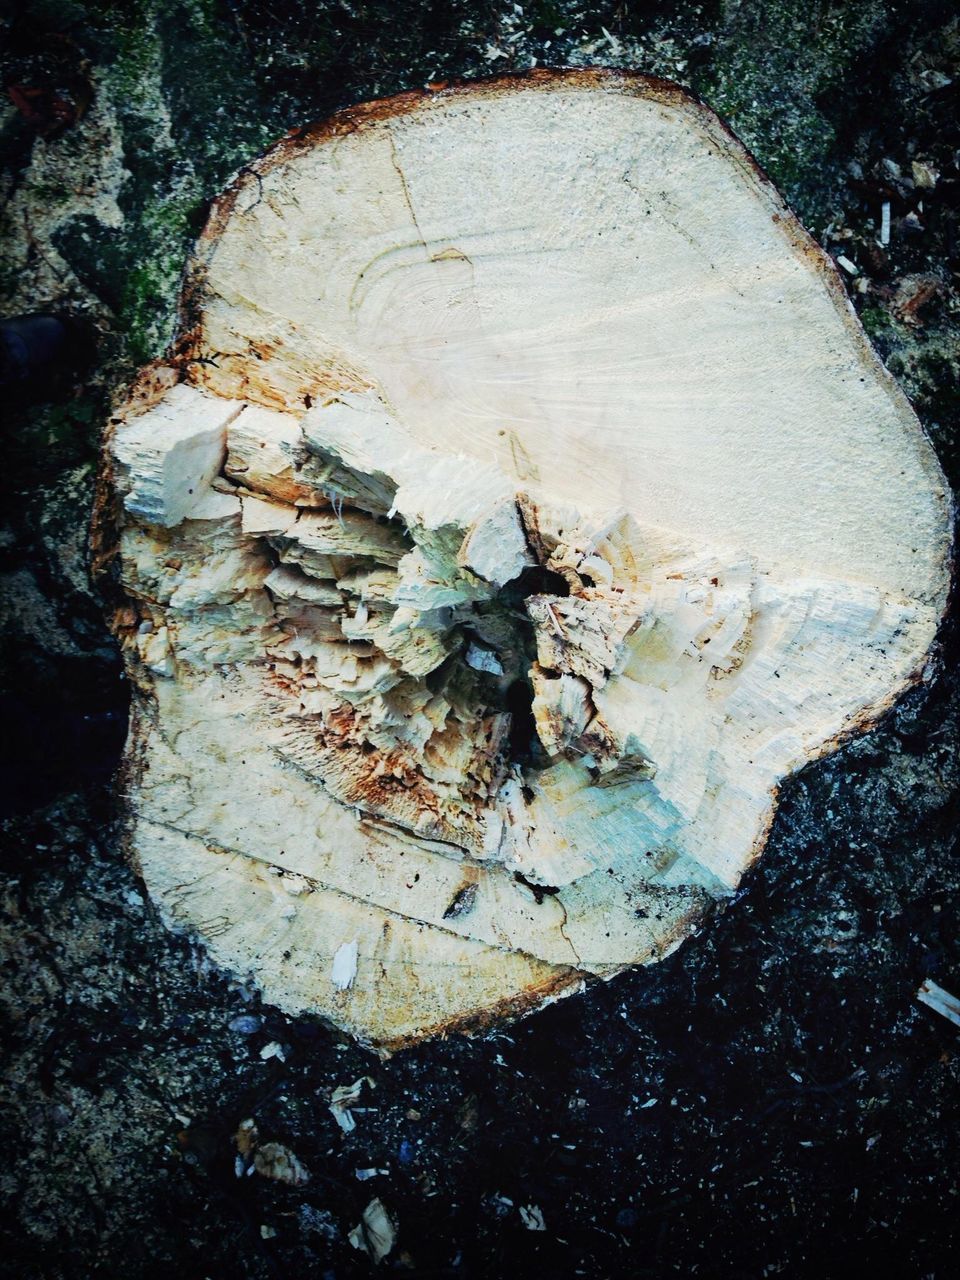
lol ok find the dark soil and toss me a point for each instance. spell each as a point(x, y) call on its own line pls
point(770, 1100)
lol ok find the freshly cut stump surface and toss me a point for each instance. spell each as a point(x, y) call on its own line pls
point(521, 505)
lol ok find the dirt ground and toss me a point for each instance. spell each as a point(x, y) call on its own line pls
point(770, 1100)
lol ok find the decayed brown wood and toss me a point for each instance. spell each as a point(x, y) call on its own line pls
point(522, 504)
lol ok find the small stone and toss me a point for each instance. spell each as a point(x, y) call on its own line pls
point(277, 1162)
point(245, 1024)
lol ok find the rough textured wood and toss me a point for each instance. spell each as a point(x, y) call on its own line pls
point(534, 386)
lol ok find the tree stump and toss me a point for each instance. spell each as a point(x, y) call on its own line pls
point(520, 505)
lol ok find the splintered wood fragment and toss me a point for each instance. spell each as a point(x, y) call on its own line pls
point(562, 708)
point(376, 1232)
point(343, 1098)
point(375, 583)
point(495, 547)
point(266, 517)
point(479, 599)
point(940, 1001)
point(291, 584)
point(169, 455)
point(344, 966)
point(885, 223)
point(264, 452)
point(348, 534)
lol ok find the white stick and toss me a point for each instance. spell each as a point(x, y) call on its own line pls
point(940, 1001)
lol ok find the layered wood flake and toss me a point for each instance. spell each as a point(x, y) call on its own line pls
point(482, 589)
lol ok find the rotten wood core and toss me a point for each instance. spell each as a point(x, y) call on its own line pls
point(521, 506)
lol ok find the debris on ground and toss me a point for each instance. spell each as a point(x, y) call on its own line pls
point(343, 1098)
point(925, 175)
point(273, 1160)
point(245, 1024)
point(246, 1139)
point(912, 295)
point(319, 1222)
point(532, 1217)
point(940, 1001)
point(375, 1234)
point(270, 1159)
